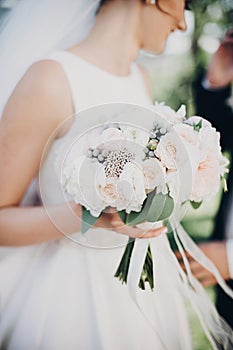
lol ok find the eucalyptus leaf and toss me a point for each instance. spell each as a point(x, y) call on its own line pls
point(198, 125)
point(123, 215)
point(135, 218)
point(88, 220)
point(195, 205)
point(161, 208)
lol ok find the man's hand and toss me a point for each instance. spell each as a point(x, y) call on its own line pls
point(215, 251)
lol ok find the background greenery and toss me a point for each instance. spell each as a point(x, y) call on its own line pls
point(171, 76)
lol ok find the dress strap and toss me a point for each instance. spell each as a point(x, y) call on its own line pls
point(69, 66)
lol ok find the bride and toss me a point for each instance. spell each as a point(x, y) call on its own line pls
point(61, 57)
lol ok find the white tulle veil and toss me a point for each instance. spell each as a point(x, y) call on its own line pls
point(35, 27)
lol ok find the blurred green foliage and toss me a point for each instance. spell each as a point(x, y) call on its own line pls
point(172, 75)
point(212, 18)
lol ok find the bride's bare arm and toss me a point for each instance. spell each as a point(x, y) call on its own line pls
point(39, 103)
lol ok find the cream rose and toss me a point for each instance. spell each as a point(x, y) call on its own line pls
point(207, 179)
point(109, 191)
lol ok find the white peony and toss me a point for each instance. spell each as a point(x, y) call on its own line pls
point(191, 140)
point(188, 133)
point(154, 173)
point(170, 114)
point(131, 188)
point(196, 119)
point(211, 167)
point(172, 151)
point(207, 179)
point(136, 135)
point(179, 184)
point(111, 139)
point(69, 177)
point(82, 179)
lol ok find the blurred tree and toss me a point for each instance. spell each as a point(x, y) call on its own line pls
point(212, 18)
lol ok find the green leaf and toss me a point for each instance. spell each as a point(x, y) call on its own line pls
point(197, 126)
point(123, 215)
point(161, 208)
point(88, 220)
point(123, 268)
point(135, 218)
point(195, 205)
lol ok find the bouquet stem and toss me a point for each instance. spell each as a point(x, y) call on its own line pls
point(147, 271)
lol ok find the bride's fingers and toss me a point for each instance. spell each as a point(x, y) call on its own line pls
point(136, 232)
point(153, 233)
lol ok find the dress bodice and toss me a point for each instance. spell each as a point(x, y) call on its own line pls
point(89, 86)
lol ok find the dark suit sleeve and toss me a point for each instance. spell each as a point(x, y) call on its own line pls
point(212, 105)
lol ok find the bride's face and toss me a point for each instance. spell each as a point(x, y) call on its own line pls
point(159, 20)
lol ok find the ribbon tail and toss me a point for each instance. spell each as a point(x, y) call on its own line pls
point(135, 270)
point(216, 329)
point(136, 265)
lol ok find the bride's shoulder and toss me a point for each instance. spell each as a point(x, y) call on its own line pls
point(45, 73)
point(47, 80)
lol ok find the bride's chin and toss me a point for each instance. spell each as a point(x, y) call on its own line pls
point(155, 48)
point(154, 51)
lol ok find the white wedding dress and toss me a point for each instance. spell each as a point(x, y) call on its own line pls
point(60, 295)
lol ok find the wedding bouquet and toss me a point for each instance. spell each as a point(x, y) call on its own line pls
point(145, 173)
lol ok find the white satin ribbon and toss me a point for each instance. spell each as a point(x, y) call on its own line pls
point(217, 331)
point(134, 274)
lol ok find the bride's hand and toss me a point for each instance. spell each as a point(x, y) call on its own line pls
point(112, 221)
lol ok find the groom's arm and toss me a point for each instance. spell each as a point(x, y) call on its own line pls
point(213, 104)
point(212, 91)
point(229, 248)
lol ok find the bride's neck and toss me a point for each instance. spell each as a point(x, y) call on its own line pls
point(114, 40)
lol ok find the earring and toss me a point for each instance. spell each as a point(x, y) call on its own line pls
point(152, 2)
